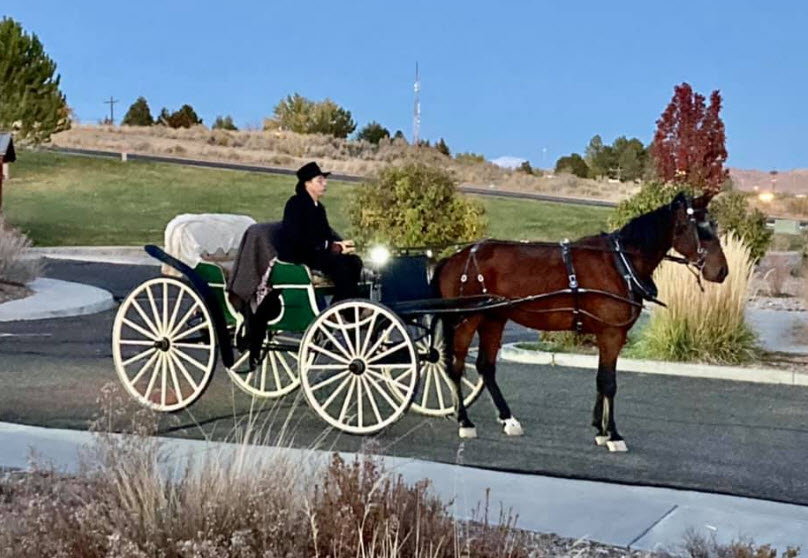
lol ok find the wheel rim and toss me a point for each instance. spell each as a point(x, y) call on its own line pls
point(163, 344)
point(435, 394)
point(358, 367)
point(276, 375)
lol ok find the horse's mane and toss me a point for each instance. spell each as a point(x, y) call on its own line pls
point(642, 232)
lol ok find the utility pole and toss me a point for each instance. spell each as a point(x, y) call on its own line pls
point(773, 174)
point(111, 104)
point(416, 116)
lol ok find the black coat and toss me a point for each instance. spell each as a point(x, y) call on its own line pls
point(305, 233)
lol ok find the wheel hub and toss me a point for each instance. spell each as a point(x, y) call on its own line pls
point(163, 344)
point(434, 356)
point(357, 367)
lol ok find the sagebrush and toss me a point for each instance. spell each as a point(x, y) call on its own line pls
point(15, 268)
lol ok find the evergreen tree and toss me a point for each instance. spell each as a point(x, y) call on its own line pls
point(225, 123)
point(443, 148)
point(301, 115)
point(31, 102)
point(373, 133)
point(573, 164)
point(183, 118)
point(525, 168)
point(139, 114)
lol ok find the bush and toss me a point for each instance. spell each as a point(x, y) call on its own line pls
point(183, 118)
point(373, 133)
point(13, 245)
point(415, 205)
point(139, 114)
point(225, 123)
point(525, 168)
point(731, 210)
point(469, 158)
point(573, 164)
point(650, 196)
point(301, 115)
point(708, 326)
point(443, 148)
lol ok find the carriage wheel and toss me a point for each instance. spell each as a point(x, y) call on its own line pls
point(436, 396)
point(164, 344)
point(358, 366)
point(276, 375)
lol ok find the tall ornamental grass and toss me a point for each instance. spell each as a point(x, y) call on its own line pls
point(708, 326)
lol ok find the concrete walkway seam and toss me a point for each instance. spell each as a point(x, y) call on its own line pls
point(511, 352)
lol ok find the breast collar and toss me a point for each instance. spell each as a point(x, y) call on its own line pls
point(645, 290)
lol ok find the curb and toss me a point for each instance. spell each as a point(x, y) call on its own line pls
point(511, 353)
point(126, 255)
point(56, 299)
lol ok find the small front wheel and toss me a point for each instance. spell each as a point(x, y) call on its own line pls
point(358, 366)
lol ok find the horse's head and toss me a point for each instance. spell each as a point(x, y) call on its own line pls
point(695, 236)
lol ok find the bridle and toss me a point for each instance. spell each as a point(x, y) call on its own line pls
point(693, 265)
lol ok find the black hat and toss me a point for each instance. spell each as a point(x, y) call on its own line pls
point(306, 173)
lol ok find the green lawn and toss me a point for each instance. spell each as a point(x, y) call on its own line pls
point(80, 201)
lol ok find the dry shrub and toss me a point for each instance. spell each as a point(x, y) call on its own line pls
point(776, 277)
point(708, 326)
point(130, 500)
point(698, 546)
point(14, 267)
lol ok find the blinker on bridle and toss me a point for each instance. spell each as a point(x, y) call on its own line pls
point(701, 252)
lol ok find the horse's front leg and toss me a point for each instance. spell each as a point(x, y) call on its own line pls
point(609, 344)
point(490, 331)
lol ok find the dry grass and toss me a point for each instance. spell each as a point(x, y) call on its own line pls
point(291, 150)
point(697, 546)
point(130, 500)
point(15, 269)
point(708, 326)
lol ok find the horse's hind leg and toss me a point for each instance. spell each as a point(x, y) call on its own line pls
point(458, 337)
point(609, 343)
point(490, 331)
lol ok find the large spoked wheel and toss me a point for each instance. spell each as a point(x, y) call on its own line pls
point(164, 344)
point(435, 396)
point(358, 366)
point(275, 375)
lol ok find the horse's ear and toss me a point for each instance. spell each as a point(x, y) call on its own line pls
point(679, 200)
point(703, 200)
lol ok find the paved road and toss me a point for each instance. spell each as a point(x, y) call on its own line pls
point(734, 437)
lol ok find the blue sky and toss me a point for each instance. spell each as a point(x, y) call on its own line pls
point(505, 78)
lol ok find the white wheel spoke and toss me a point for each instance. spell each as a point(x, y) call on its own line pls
point(153, 378)
point(337, 392)
point(288, 369)
point(328, 353)
point(190, 360)
point(184, 319)
point(184, 371)
point(143, 369)
point(188, 332)
point(199, 346)
point(165, 307)
point(369, 333)
point(360, 411)
point(345, 335)
point(273, 360)
point(384, 378)
point(149, 323)
point(170, 326)
point(154, 311)
point(163, 379)
point(137, 357)
point(384, 394)
point(346, 404)
point(138, 343)
point(469, 384)
point(326, 367)
point(263, 381)
point(439, 390)
point(337, 344)
point(388, 352)
point(356, 330)
point(174, 381)
point(380, 340)
point(331, 380)
point(139, 329)
point(372, 400)
point(427, 385)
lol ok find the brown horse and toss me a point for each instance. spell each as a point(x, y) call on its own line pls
point(599, 289)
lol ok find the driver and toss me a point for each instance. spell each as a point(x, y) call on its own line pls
point(307, 238)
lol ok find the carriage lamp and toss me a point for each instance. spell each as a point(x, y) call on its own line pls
point(379, 255)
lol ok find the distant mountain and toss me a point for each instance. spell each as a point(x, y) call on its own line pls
point(789, 182)
point(508, 162)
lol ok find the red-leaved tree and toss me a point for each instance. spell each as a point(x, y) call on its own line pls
point(688, 145)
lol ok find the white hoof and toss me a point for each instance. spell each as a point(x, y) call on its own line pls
point(468, 432)
point(601, 440)
point(512, 427)
point(619, 446)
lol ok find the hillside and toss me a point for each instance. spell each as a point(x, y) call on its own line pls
point(788, 182)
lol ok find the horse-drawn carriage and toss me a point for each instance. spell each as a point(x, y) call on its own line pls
point(362, 363)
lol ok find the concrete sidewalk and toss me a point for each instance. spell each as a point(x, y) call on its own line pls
point(56, 299)
point(633, 517)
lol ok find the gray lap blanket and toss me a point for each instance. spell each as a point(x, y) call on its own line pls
point(256, 251)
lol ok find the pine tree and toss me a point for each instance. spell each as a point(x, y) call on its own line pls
point(373, 133)
point(443, 148)
point(31, 103)
point(225, 123)
point(138, 114)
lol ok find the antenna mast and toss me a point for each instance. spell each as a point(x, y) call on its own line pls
point(416, 116)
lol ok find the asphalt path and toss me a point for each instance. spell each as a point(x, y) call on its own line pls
point(731, 437)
